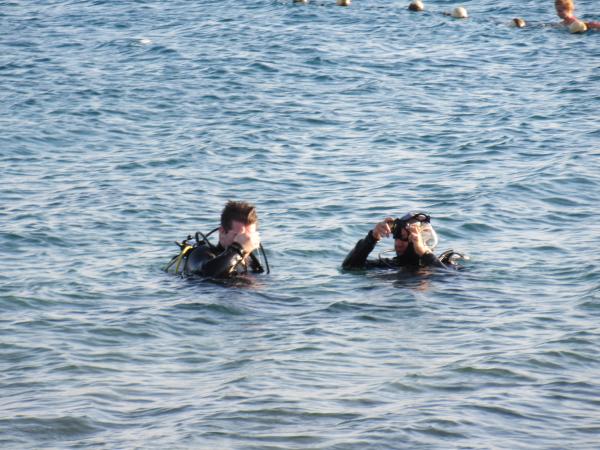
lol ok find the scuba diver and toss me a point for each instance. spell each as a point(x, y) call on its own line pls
point(236, 252)
point(414, 241)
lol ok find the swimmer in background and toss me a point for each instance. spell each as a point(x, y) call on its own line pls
point(518, 22)
point(565, 9)
point(460, 12)
point(416, 5)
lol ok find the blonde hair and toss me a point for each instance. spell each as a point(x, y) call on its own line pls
point(566, 4)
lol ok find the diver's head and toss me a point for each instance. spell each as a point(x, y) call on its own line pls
point(564, 8)
point(405, 249)
point(412, 222)
point(236, 218)
point(344, 2)
point(401, 242)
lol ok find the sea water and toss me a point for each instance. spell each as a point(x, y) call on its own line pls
point(126, 125)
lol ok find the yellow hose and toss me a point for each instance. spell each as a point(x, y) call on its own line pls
point(182, 255)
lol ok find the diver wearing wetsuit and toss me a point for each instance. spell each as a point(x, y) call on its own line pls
point(218, 262)
point(414, 239)
point(235, 252)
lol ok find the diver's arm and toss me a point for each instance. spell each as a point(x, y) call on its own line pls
point(426, 256)
point(222, 265)
point(357, 257)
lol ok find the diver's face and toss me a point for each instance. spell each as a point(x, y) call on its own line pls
point(400, 245)
point(226, 238)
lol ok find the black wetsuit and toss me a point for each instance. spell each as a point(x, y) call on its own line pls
point(357, 258)
point(218, 262)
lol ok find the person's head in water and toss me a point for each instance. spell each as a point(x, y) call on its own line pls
point(518, 22)
point(404, 247)
point(412, 233)
point(238, 220)
point(416, 5)
point(565, 9)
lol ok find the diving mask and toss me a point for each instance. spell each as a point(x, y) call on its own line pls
point(428, 234)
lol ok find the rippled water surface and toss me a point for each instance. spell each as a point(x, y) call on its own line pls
point(127, 125)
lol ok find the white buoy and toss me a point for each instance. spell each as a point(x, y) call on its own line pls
point(460, 12)
point(416, 5)
point(304, 2)
point(343, 2)
point(578, 27)
point(518, 22)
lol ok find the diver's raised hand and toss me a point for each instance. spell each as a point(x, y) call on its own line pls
point(382, 229)
point(249, 241)
point(414, 235)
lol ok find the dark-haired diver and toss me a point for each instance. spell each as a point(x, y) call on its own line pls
point(414, 241)
point(234, 254)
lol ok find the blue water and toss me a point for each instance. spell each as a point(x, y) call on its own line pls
point(127, 125)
